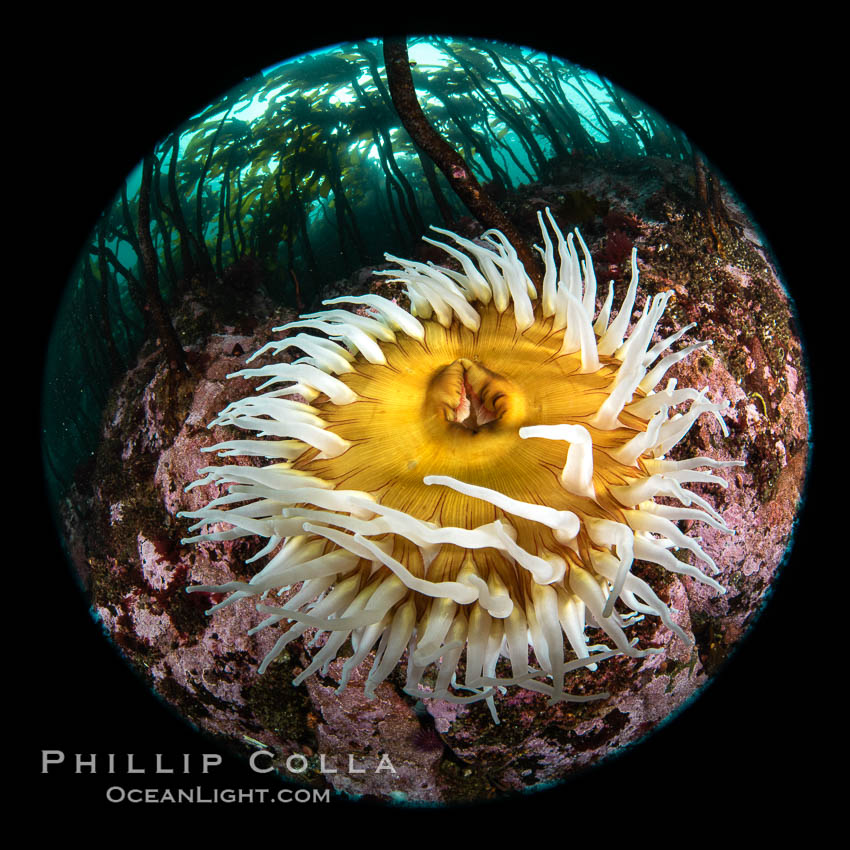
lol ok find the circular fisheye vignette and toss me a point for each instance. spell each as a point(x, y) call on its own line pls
point(513, 480)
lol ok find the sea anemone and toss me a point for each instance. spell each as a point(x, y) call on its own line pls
point(468, 479)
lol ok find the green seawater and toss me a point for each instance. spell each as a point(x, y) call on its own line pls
point(303, 174)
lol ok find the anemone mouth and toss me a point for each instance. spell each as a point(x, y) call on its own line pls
point(468, 480)
point(469, 395)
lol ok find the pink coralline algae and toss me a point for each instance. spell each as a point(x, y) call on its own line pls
point(137, 569)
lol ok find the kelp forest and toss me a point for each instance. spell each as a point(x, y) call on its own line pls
point(308, 172)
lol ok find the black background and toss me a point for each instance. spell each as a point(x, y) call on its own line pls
point(739, 93)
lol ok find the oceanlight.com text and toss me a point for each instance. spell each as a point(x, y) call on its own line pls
point(118, 794)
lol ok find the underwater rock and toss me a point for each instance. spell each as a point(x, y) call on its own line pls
point(206, 667)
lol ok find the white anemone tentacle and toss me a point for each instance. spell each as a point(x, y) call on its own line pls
point(371, 326)
point(577, 476)
point(355, 337)
point(305, 373)
point(396, 317)
point(565, 522)
point(326, 354)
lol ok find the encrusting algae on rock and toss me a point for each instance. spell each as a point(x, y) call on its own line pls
point(469, 479)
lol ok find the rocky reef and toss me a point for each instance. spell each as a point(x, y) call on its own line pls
point(124, 536)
